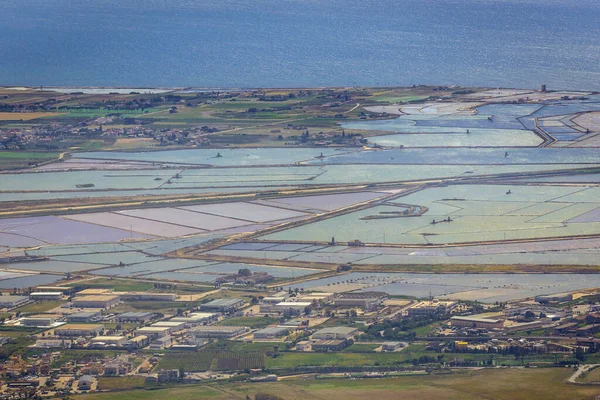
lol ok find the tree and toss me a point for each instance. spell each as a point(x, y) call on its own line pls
point(181, 373)
point(580, 354)
point(244, 272)
point(529, 314)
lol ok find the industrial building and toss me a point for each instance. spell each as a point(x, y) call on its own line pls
point(12, 301)
point(391, 346)
point(430, 307)
point(146, 296)
point(222, 305)
point(211, 331)
point(78, 330)
point(46, 296)
point(105, 341)
point(174, 326)
point(471, 322)
point(195, 319)
point(271, 332)
point(329, 345)
point(41, 320)
point(134, 317)
point(291, 307)
point(554, 298)
point(161, 343)
point(335, 333)
point(49, 343)
point(153, 332)
point(367, 300)
point(96, 301)
point(84, 316)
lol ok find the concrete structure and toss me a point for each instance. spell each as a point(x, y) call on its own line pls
point(82, 317)
point(471, 322)
point(336, 333)
point(114, 341)
point(222, 305)
point(12, 301)
point(96, 301)
point(78, 330)
point(46, 296)
point(153, 332)
point(271, 332)
point(195, 319)
point(329, 345)
point(146, 296)
point(391, 346)
point(211, 331)
point(135, 317)
point(367, 300)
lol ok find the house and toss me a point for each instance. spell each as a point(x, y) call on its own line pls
point(85, 382)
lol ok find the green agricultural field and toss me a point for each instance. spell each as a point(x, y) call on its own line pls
point(213, 360)
point(21, 159)
point(497, 384)
point(120, 383)
point(39, 307)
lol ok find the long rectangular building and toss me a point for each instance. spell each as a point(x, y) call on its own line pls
point(212, 331)
point(472, 322)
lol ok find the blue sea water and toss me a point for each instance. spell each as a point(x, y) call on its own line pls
point(286, 43)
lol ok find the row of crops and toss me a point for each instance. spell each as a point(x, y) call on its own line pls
point(213, 360)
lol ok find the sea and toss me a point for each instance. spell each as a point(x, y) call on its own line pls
point(300, 43)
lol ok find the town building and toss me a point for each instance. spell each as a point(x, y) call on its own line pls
point(96, 301)
point(222, 305)
point(335, 333)
point(481, 323)
point(366, 300)
point(85, 382)
point(79, 330)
